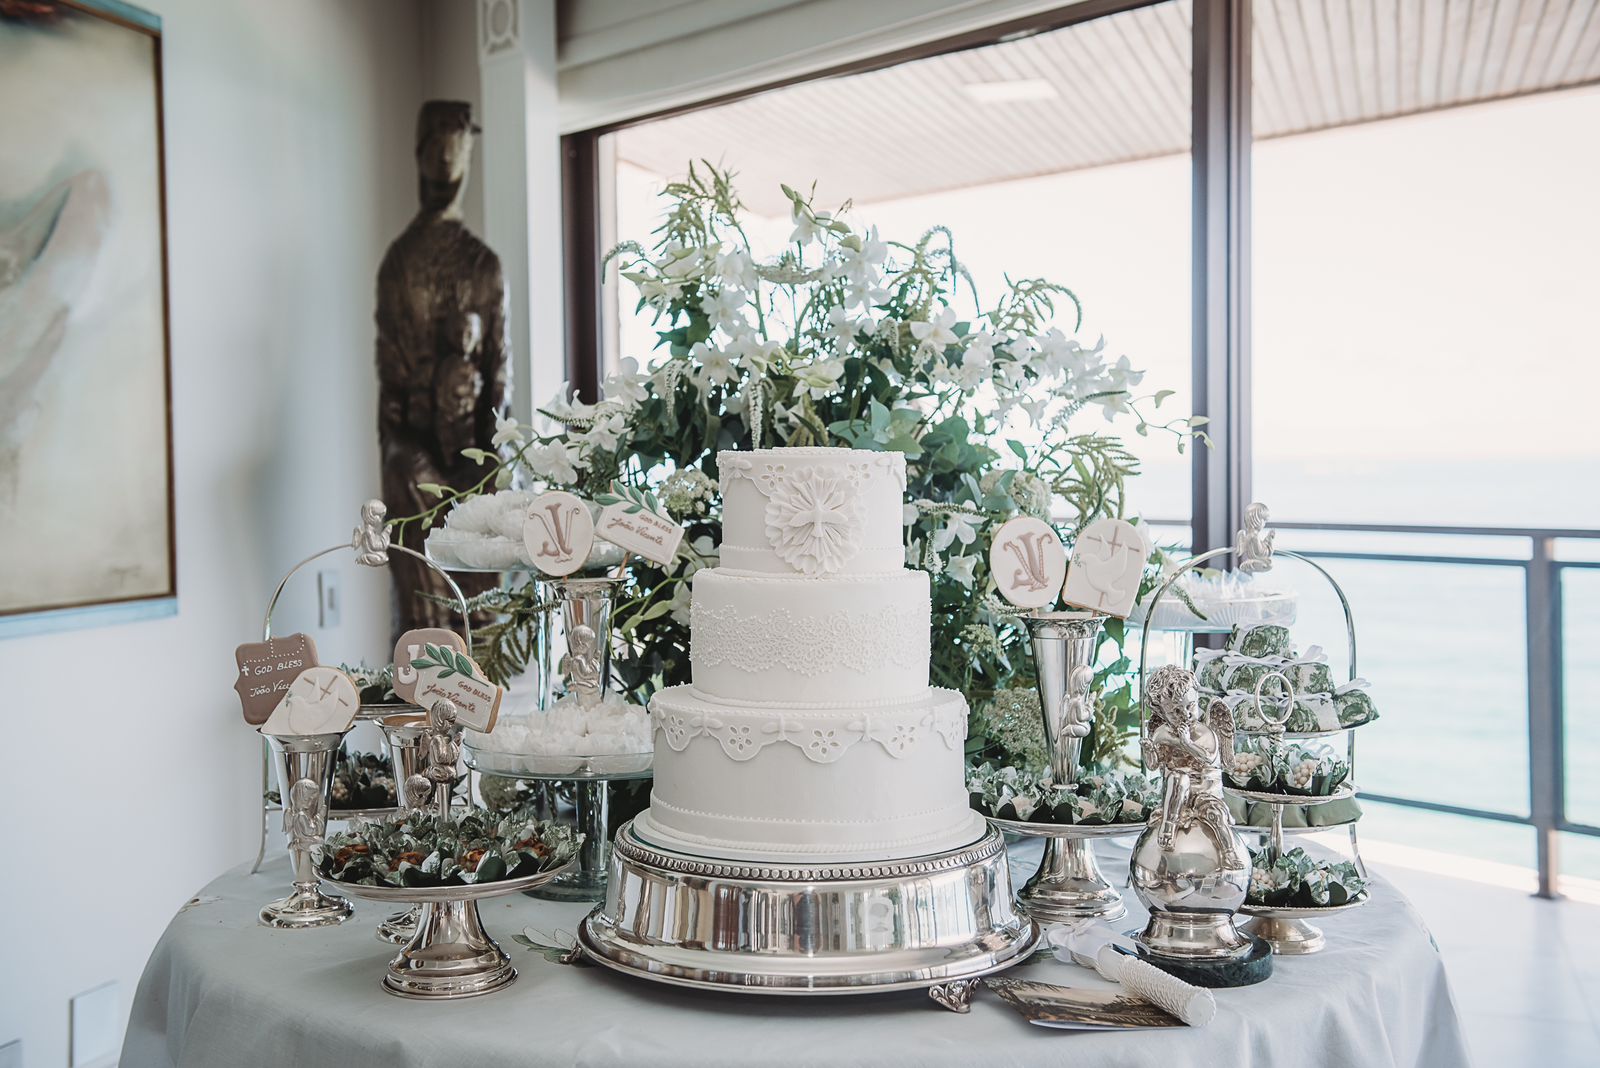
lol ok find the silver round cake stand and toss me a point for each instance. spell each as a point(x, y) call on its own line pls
point(449, 955)
point(937, 922)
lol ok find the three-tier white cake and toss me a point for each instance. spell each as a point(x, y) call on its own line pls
point(809, 733)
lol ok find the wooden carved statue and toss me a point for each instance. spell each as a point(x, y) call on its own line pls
point(443, 361)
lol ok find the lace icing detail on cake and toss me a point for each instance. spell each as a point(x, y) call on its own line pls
point(862, 641)
point(767, 472)
point(814, 519)
point(823, 739)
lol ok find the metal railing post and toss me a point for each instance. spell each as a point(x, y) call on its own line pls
point(1545, 769)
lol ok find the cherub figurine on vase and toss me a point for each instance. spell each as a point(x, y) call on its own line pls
point(1189, 867)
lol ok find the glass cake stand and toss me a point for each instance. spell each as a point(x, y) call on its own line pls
point(586, 881)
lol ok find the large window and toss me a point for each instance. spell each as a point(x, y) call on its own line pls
point(1399, 228)
point(1424, 233)
point(1061, 155)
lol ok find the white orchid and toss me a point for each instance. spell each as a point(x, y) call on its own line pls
point(735, 266)
point(821, 377)
point(959, 527)
point(625, 385)
point(556, 462)
point(507, 431)
point(808, 227)
point(935, 334)
point(716, 367)
point(725, 303)
point(960, 569)
point(606, 433)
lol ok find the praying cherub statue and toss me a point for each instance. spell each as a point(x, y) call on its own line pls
point(1190, 752)
point(1253, 550)
point(581, 666)
point(371, 539)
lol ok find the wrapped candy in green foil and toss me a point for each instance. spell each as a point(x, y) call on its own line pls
point(1265, 640)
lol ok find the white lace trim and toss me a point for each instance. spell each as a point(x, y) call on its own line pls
point(810, 645)
point(768, 468)
point(823, 738)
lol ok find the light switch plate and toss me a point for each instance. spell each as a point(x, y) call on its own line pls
point(328, 598)
point(11, 1054)
point(96, 1022)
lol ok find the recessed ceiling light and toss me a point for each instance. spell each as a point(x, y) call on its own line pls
point(1010, 92)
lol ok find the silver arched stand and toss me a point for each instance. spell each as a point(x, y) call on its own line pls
point(310, 758)
point(1285, 929)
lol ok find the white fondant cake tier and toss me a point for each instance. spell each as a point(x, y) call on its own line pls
point(780, 782)
point(812, 511)
point(827, 640)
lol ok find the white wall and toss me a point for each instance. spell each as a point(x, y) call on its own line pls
point(289, 142)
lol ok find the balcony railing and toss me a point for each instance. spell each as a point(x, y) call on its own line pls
point(1543, 568)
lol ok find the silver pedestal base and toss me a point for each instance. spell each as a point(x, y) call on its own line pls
point(449, 956)
point(307, 906)
point(398, 928)
point(1193, 936)
point(1069, 886)
point(1288, 938)
point(781, 929)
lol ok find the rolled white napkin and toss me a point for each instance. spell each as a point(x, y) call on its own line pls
point(1092, 944)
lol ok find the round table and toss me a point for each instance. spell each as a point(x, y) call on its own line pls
point(221, 989)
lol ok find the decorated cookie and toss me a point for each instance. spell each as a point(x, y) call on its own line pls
point(409, 648)
point(1028, 562)
point(558, 533)
point(265, 671)
point(320, 700)
point(631, 519)
point(1107, 561)
point(445, 673)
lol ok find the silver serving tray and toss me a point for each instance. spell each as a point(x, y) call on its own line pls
point(560, 766)
point(807, 930)
point(1293, 912)
point(1345, 790)
point(437, 894)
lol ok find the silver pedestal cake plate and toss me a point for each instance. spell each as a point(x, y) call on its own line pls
point(923, 922)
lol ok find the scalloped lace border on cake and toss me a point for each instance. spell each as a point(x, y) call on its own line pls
point(822, 738)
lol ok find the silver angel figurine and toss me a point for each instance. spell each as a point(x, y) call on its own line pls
point(581, 665)
point(1189, 866)
point(1253, 548)
point(303, 816)
point(371, 539)
point(1190, 753)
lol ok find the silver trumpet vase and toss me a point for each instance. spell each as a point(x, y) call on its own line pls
point(403, 734)
point(1068, 885)
point(305, 775)
point(586, 605)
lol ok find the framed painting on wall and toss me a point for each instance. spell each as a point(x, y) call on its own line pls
point(86, 495)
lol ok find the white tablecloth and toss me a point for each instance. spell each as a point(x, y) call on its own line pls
point(221, 990)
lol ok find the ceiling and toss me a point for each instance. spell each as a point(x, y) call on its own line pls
point(1116, 89)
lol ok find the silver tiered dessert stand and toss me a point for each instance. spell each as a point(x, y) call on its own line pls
point(937, 922)
point(1069, 885)
point(1285, 929)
